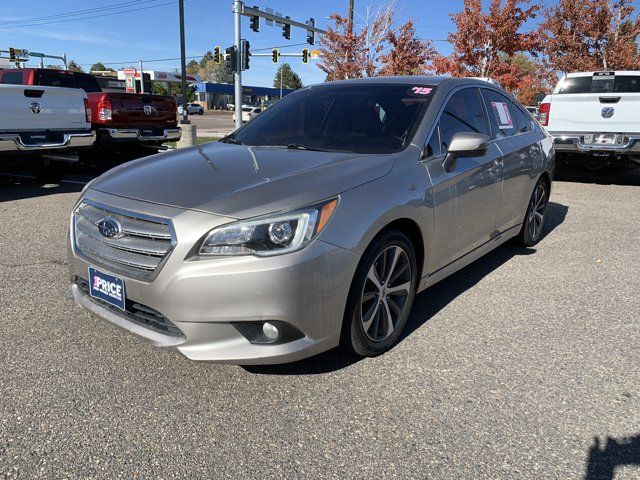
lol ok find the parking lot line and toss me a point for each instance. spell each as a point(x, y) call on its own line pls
point(33, 178)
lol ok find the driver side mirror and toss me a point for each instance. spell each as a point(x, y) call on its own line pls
point(465, 144)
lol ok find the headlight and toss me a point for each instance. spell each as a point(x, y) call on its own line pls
point(272, 235)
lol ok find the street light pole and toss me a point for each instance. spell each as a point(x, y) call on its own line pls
point(237, 88)
point(183, 66)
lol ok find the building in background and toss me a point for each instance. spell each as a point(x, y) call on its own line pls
point(216, 96)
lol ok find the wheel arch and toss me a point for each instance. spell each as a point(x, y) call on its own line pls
point(412, 230)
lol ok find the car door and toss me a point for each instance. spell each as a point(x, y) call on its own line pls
point(518, 138)
point(466, 198)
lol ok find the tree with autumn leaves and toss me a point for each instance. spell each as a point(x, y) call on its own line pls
point(516, 42)
point(373, 49)
point(585, 35)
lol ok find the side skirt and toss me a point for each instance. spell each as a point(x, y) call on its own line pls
point(468, 258)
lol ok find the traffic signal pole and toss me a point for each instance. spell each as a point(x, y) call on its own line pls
point(237, 75)
point(239, 9)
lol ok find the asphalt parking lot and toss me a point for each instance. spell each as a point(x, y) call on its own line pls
point(523, 365)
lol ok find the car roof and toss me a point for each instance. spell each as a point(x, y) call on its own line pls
point(411, 80)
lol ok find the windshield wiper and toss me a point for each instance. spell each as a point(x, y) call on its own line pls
point(298, 146)
point(231, 139)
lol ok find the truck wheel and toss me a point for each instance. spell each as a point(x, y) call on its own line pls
point(49, 173)
point(381, 295)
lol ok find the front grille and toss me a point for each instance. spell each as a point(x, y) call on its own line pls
point(136, 312)
point(137, 252)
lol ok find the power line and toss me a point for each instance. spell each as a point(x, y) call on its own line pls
point(77, 12)
point(90, 17)
point(194, 57)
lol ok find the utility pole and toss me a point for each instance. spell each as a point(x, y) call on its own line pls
point(281, 82)
point(141, 78)
point(183, 66)
point(350, 16)
point(237, 75)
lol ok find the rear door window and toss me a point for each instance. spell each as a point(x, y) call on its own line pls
point(523, 120)
point(88, 83)
point(55, 78)
point(601, 82)
point(12, 78)
point(501, 113)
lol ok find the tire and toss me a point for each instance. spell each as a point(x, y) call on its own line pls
point(51, 173)
point(201, 112)
point(533, 223)
point(370, 333)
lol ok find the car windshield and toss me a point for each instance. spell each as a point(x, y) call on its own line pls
point(373, 118)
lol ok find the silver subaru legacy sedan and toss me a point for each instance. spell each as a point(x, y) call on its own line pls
point(313, 225)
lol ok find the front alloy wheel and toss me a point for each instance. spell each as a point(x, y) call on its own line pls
point(385, 293)
point(534, 219)
point(381, 295)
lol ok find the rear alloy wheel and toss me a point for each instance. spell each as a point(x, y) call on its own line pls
point(534, 220)
point(381, 295)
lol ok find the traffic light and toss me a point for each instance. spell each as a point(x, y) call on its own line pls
point(217, 56)
point(286, 29)
point(254, 21)
point(232, 58)
point(12, 54)
point(305, 55)
point(245, 54)
point(274, 55)
point(311, 35)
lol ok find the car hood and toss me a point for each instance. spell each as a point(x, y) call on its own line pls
point(241, 181)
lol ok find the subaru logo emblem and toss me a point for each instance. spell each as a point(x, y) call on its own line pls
point(110, 228)
point(35, 108)
point(607, 112)
point(148, 109)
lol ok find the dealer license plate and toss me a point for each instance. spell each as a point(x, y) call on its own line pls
point(108, 288)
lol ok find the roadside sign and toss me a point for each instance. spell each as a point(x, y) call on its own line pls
point(130, 84)
point(36, 54)
point(130, 72)
point(315, 53)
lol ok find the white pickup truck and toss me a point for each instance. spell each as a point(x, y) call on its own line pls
point(597, 114)
point(42, 128)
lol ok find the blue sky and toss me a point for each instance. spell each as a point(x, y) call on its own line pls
point(152, 33)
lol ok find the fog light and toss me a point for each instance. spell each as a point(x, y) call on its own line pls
point(270, 331)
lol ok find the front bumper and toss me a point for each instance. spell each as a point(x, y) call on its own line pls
point(629, 143)
point(14, 142)
point(141, 134)
point(203, 298)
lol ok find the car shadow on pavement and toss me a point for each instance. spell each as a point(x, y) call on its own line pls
point(426, 305)
point(21, 187)
point(608, 175)
point(603, 459)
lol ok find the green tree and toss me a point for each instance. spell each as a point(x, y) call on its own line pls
point(193, 67)
point(206, 57)
point(290, 79)
point(100, 67)
point(216, 72)
point(74, 67)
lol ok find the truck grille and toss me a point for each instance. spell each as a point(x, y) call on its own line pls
point(137, 251)
point(136, 312)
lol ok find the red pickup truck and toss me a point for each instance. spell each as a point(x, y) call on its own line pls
point(124, 122)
